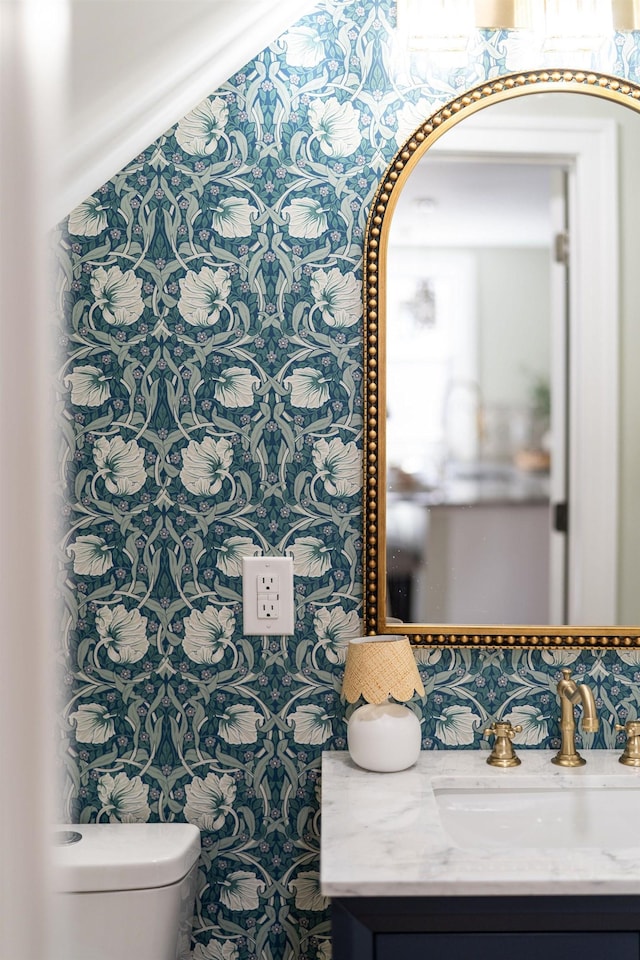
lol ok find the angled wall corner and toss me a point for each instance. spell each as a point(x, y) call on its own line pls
point(136, 68)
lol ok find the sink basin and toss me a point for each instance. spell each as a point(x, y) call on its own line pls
point(560, 814)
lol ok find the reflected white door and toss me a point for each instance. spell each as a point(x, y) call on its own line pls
point(559, 318)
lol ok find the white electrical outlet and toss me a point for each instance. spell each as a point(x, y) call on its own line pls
point(268, 584)
point(267, 596)
point(268, 608)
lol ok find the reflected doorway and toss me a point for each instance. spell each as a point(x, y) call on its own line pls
point(480, 321)
point(477, 436)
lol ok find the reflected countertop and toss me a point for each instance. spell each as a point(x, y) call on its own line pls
point(382, 834)
point(477, 484)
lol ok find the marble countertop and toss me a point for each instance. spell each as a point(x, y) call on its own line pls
point(382, 835)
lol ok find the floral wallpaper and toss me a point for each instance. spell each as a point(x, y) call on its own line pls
point(210, 409)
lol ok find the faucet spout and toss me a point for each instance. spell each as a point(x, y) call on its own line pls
point(570, 693)
point(590, 722)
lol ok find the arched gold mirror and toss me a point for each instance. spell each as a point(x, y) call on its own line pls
point(501, 400)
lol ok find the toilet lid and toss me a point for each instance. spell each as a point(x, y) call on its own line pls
point(123, 856)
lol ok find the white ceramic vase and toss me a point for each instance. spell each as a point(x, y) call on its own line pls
point(384, 737)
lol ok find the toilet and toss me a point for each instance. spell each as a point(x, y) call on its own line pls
point(123, 891)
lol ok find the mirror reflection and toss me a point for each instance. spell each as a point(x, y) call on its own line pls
point(500, 483)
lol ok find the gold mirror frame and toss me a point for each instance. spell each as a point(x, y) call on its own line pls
point(621, 91)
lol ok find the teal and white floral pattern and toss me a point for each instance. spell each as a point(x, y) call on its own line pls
point(91, 556)
point(337, 296)
point(336, 127)
point(123, 799)
point(216, 950)
point(305, 218)
point(89, 386)
point(239, 724)
point(209, 801)
point(211, 379)
point(339, 466)
point(312, 724)
point(203, 295)
point(88, 219)
point(120, 464)
point(230, 553)
point(307, 891)
point(93, 724)
point(206, 465)
point(117, 294)
point(199, 132)
point(208, 633)
point(534, 723)
point(311, 557)
point(334, 628)
point(241, 890)
point(123, 632)
point(308, 388)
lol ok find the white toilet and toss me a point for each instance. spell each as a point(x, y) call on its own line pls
point(124, 891)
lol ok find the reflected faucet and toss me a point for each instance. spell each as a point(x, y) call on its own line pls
point(571, 693)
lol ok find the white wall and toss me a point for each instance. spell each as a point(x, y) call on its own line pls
point(31, 54)
point(137, 66)
point(513, 307)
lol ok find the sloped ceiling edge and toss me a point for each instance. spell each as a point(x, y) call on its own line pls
point(131, 112)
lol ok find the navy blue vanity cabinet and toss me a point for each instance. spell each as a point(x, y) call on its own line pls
point(506, 946)
point(486, 928)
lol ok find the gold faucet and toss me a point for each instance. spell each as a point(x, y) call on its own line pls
point(631, 755)
point(503, 754)
point(571, 693)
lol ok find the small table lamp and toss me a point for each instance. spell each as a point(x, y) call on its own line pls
point(381, 735)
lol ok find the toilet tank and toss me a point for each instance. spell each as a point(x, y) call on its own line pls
point(124, 891)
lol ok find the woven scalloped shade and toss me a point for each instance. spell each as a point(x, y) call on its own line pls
point(381, 667)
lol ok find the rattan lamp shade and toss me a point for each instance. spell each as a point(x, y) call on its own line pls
point(381, 667)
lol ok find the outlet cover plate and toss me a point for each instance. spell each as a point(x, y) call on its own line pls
point(253, 570)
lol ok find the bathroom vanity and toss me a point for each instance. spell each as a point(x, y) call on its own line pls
point(457, 860)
